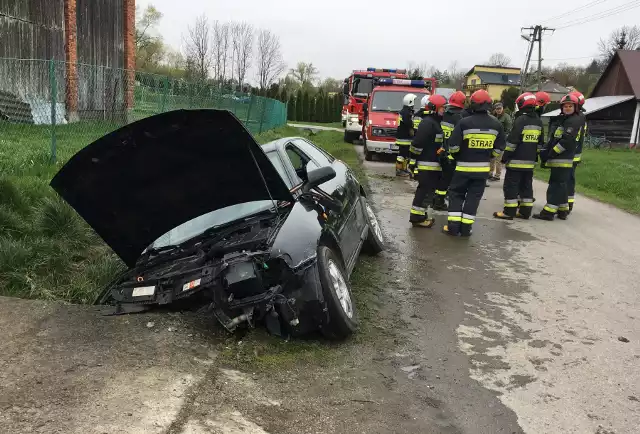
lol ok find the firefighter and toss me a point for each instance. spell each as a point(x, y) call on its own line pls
point(558, 155)
point(430, 139)
point(520, 156)
point(571, 189)
point(452, 116)
point(417, 118)
point(404, 134)
point(474, 141)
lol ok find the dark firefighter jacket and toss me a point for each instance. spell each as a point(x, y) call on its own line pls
point(578, 156)
point(474, 140)
point(563, 141)
point(429, 139)
point(404, 132)
point(450, 119)
point(523, 142)
point(417, 119)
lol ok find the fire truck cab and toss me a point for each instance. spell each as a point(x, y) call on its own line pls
point(356, 90)
point(382, 109)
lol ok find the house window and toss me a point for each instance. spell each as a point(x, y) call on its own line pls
point(473, 81)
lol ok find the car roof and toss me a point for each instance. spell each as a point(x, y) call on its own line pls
point(276, 144)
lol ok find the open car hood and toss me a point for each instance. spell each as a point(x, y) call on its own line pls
point(144, 179)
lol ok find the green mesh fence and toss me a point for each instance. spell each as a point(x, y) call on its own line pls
point(57, 108)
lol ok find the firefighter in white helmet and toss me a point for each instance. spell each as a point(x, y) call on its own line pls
point(404, 134)
point(417, 119)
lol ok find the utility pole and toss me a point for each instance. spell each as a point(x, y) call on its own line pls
point(535, 35)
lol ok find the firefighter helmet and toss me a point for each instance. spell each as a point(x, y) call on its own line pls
point(580, 97)
point(571, 99)
point(435, 102)
point(409, 99)
point(424, 101)
point(480, 100)
point(542, 99)
point(457, 99)
point(527, 99)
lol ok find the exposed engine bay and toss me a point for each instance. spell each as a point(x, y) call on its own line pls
point(230, 273)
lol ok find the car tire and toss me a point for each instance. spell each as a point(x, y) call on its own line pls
point(347, 137)
point(342, 320)
point(344, 124)
point(374, 243)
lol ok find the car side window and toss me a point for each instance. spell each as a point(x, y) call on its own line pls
point(314, 152)
point(300, 161)
point(277, 162)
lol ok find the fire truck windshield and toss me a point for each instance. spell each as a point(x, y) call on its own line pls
point(362, 86)
point(391, 101)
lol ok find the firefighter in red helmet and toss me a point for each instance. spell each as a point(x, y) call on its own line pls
point(474, 141)
point(452, 116)
point(520, 156)
point(558, 156)
point(542, 99)
point(571, 189)
point(430, 139)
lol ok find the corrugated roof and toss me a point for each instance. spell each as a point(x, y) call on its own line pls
point(630, 60)
point(491, 66)
point(592, 105)
point(499, 78)
point(550, 87)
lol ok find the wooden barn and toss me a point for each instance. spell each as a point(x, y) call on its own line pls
point(85, 45)
point(613, 108)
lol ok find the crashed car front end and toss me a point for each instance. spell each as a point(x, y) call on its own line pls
point(238, 279)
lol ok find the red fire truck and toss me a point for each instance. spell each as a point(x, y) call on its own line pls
point(381, 112)
point(356, 90)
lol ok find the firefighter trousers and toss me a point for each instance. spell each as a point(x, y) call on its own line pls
point(465, 194)
point(402, 160)
point(518, 184)
point(427, 184)
point(443, 184)
point(571, 187)
point(557, 192)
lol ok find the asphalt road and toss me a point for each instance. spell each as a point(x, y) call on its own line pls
point(545, 313)
point(528, 327)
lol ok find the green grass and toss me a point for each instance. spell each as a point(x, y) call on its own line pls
point(611, 176)
point(46, 250)
point(322, 124)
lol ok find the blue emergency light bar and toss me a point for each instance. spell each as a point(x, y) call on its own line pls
point(397, 71)
point(402, 82)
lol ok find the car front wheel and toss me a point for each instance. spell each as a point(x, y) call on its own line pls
point(374, 243)
point(342, 320)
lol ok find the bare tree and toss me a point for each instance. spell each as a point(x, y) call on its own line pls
point(304, 73)
point(220, 50)
point(198, 46)
point(499, 59)
point(624, 38)
point(269, 58)
point(456, 75)
point(242, 49)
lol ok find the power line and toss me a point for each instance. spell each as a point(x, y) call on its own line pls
point(581, 8)
point(600, 15)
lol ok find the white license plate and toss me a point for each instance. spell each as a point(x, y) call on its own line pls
point(143, 291)
point(190, 285)
point(395, 148)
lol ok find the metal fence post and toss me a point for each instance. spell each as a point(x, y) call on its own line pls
point(264, 110)
point(249, 110)
point(54, 95)
point(165, 91)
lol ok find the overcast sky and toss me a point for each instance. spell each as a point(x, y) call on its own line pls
point(340, 35)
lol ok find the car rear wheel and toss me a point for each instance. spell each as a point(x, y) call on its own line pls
point(374, 243)
point(350, 136)
point(342, 319)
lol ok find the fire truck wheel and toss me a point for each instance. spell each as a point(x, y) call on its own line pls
point(368, 155)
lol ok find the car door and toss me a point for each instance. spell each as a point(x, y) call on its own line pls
point(344, 189)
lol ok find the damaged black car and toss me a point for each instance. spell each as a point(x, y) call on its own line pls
point(204, 216)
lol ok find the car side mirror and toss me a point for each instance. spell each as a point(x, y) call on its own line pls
point(319, 176)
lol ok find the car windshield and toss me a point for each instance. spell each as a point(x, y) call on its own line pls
point(391, 101)
point(198, 225)
point(362, 86)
